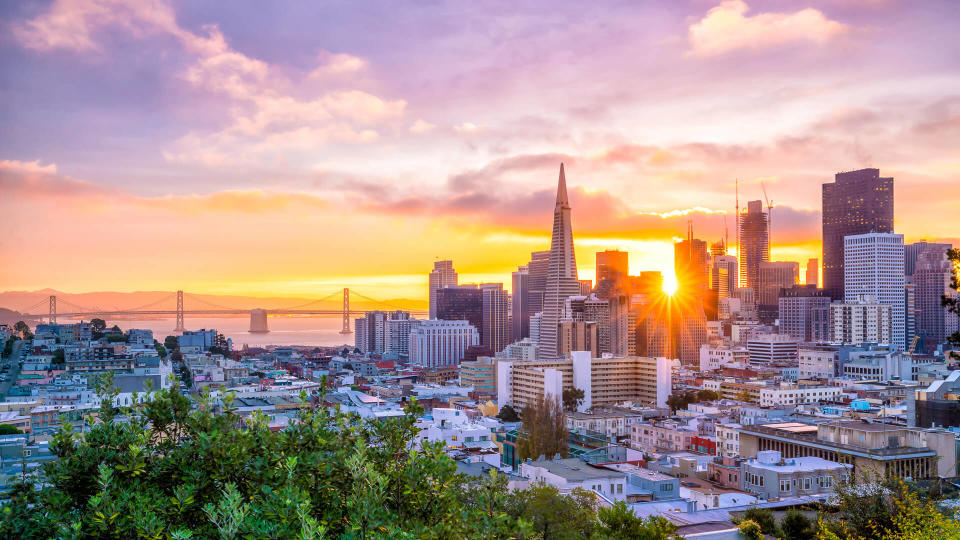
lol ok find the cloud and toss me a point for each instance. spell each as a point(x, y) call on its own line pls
point(421, 126)
point(267, 117)
point(21, 181)
point(466, 127)
point(727, 27)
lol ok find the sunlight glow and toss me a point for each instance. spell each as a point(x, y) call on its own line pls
point(669, 283)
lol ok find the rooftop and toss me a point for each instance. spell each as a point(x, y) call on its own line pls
point(574, 470)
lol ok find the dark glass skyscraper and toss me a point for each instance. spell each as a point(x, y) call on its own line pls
point(754, 248)
point(857, 202)
point(461, 303)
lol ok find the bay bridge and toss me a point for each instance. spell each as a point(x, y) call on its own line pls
point(258, 316)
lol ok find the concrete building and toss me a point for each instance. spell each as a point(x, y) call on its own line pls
point(480, 374)
point(723, 276)
point(715, 357)
point(873, 265)
point(813, 273)
point(398, 334)
point(754, 245)
point(863, 320)
point(495, 330)
point(520, 304)
point(788, 394)
point(935, 405)
point(606, 381)
point(931, 281)
point(461, 303)
point(796, 310)
point(770, 348)
point(438, 343)
point(728, 440)
point(370, 332)
point(562, 279)
point(772, 477)
point(572, 473)
point(856, 203)
point(911, 252)
point(775, 276)
point(885, 367)
point(442, 276)
point(874, 449)
point(613, 272)
point(578, 336)
point(817, 364)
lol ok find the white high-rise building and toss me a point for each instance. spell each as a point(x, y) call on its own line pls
point(873, 264)
point(443, 275)
point(398, 334)
point(562, 278)
point(439, 343)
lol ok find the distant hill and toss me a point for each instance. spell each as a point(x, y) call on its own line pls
point(36, 302)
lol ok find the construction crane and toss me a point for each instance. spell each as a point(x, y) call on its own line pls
point(763, 186)
point(913, 344)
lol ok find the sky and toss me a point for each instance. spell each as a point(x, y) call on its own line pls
point(293, 148)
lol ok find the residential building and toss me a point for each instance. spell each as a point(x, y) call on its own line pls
point(606, 381)
point(723, 276)
point(442, 276)
point(562, 279)
point(772, 477)
point(398, 333)
point(817, 364)
point(370, 332)
point(578, 336)
point(572, 473)
point(857, 202)
point(715, 357)
point(439, 343)
point(728, 439)
point(861, 321)
point(788, 394)
point(480, 374)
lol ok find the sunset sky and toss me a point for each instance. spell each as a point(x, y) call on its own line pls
point(293, 148)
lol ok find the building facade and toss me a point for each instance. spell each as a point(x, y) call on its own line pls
point(439, 343)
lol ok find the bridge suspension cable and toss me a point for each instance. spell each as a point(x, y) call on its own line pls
point(378, 302)
point(310, 303)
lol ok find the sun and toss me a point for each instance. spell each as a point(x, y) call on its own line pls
point(670, 284)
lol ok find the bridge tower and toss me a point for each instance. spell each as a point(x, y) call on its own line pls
point(179, 327)
point(346, 312)
point(53, 309)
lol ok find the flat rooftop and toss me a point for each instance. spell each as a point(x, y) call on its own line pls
point(574, 470)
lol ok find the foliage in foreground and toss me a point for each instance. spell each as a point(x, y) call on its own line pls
point(167, 470)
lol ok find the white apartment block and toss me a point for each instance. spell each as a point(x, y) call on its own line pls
point(728, 440)
point(605, 381)
point(873, 264)
point(714, 357)
point(791, 394)
point(817, 364)
point(438, 343)
point(863, 320)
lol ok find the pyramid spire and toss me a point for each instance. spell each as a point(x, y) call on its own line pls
point(562, 199)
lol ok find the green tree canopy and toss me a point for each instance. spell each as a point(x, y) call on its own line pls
point(572, 397)
point(508, 414)
point(7, 429)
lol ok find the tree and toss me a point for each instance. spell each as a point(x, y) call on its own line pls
point(161, 350)
point(7, 429)
point(22, 327)
point(8, 346)
point(953, 303)
point(764, 518)
point(508, 414)
point(116, 329)
point(544, 430)
point(678, 401)
point(572, 398)
point(171, 343)
point(796, 526)
point(619, 522)
point(708, 395)
point(557, 516)
point(750, 530)
point(98, 327)
point(59, 358)
point(744, 396)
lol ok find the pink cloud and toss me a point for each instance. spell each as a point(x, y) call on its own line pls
point(727, 27)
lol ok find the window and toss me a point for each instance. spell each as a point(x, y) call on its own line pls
point(806, 484)
point(784, 485)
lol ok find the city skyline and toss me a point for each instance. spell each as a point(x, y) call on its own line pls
point(255, 155)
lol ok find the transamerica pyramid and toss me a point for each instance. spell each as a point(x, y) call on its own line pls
point(562, 277)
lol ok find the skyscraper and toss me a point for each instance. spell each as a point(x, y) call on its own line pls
point(562, 278)
point(931, 279)
point(520, 304)
point(858, 202)
point(754, 245)
point(873, 267)
point(461, 303)
point(691, 265)
point(613, 270)
point(813, 272)
point(495, 332)
point(723, 275)
point(911, 252)
point(797, 306)
point(371, 332)
point(538, 268)
point(443, 275)
point(773, 277)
